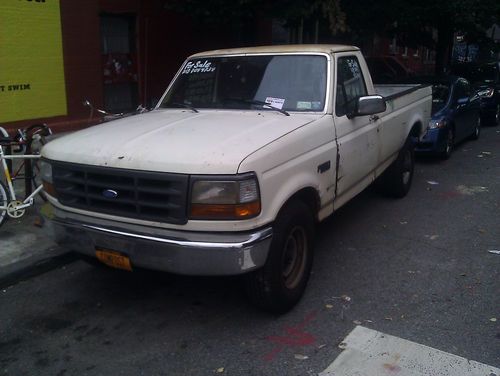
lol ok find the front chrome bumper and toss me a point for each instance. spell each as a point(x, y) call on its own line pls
point(181, 252)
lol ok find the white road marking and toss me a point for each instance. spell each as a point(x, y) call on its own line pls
point(371, 353)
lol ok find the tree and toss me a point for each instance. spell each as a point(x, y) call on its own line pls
point(238, 13)
point(431, 23)
point(418, 21)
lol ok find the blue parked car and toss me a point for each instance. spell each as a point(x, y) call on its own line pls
point(487, 79)
point(455, 116)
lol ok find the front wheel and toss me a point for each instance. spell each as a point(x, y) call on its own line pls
point(4, 200)
point(280, 283)
point(448, 146)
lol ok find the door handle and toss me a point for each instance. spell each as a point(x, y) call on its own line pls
point(374, 118)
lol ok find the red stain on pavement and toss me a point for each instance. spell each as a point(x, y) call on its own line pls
point(450, 194)
point(293, 336)
point(392, 367)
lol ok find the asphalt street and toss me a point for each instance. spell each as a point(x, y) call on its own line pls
point(416, 268)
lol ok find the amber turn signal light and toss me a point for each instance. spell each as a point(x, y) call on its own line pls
point(225, 211)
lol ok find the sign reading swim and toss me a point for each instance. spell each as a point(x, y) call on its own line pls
point(15, 87)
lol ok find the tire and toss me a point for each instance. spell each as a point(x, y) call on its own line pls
point(278, 286)
point(477, 130)
point(448, 148)
point(4, 199)
point(396, 180)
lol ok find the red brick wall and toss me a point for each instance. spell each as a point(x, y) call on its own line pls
point(163, 41)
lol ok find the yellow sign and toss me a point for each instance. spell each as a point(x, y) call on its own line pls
point(31, 60)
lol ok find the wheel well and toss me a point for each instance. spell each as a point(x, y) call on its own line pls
point(452, 127)
point(308, 196)
point(416, 129)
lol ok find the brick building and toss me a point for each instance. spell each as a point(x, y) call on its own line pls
point(121, 53)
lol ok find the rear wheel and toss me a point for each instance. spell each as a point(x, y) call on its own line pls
point(280, 283)
point(4, 199)
point(396, 180)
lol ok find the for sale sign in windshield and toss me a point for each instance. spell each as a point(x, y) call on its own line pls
point(31, 60)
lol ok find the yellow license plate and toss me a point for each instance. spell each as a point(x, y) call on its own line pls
point(113, 259)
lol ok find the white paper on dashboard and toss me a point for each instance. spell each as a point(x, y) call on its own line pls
point(275, 102)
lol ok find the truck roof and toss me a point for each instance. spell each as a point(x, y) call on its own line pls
point(290, 48)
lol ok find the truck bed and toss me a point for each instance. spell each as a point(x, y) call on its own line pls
point(393, 91)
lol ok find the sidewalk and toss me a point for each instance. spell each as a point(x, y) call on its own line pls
point(26, 247)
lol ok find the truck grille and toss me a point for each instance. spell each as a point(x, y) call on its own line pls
point(146, 195)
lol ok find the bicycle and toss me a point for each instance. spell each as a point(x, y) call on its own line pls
point(25, 141)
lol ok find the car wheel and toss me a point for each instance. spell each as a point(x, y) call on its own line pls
point(396, 180)
point(477, 130)
point(448, 147)
point(280, 283)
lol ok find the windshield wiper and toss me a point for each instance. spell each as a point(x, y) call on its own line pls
point(265, 104)
point(181, 105)
point(259, 103)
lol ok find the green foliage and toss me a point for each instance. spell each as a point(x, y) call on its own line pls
point(419, 16)
point(213, 13)
point(293, 12)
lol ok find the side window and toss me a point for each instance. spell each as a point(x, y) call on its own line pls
point(350, 84)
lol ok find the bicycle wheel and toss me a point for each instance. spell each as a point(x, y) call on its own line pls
point(4, 199)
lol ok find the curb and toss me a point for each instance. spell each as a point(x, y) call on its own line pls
point(33, 266)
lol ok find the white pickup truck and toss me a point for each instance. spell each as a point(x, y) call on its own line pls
point(245, 152)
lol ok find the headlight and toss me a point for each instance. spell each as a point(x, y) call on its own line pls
point(228, 199)
point(47, 180)
point(46, 171)
point(486, 93)
point(440, 123)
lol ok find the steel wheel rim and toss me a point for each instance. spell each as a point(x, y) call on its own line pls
point(294, 257)
point(407, 167)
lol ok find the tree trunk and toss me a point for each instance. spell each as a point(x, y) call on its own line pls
point(443, 49)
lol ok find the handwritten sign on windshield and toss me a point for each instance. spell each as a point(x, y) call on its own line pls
point(198, 67)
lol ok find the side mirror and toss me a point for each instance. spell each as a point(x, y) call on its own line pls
point(369, 105)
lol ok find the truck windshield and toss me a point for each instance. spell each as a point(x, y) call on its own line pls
point(287, 82)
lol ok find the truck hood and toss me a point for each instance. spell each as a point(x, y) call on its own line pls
point(179, 141)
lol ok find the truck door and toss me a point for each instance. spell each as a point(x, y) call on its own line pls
point(357, 137)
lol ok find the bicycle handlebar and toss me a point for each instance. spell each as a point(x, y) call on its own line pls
point(24, 135)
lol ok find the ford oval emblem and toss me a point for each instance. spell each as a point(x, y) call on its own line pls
point(109, 193)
